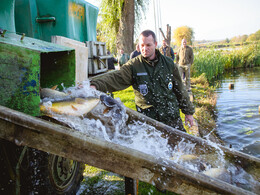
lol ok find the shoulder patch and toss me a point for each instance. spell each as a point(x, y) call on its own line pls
point(143, 89)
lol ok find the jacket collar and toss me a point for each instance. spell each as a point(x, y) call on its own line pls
point(155, 61)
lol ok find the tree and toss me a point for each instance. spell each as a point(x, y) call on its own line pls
point(119, 18)
point(243, 38)
point(227, 40)
point(252, 37)
point(183, 32)
point(257, 34)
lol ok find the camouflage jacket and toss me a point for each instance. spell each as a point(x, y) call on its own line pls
point(184, 56)
point(123, 59)
point(156, 84)
point(167, 51)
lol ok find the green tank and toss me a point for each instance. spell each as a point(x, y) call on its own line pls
point(26, 65)
point(7, 21)
point(41, 19)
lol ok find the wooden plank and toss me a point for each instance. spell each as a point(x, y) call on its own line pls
point(26, 130)
point(81, 55)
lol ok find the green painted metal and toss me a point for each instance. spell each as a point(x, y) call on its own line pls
point(75, 19)
point(28, 64)
point(7, 15)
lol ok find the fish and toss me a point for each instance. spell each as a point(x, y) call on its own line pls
point(191, 159)
point(110, 112)
point(52, 93)
point(219, 173)
point(103, 108)
point(72, 107)
point(184, 157)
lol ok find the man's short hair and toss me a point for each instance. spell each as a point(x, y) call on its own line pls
point(147, 33)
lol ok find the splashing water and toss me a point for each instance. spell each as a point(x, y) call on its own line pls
point(146, 138)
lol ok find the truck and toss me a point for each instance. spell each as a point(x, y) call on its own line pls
point(39, 43)
point(43, 42)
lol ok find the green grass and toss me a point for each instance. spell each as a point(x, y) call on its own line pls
point(127, 97)
point(98, 181)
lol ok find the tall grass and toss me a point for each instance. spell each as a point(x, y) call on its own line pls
point(214, 62)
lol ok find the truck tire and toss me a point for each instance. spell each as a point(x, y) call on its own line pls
point(52, 174)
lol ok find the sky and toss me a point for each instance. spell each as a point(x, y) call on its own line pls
point(209, 19)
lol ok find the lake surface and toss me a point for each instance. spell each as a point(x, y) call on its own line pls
point(238, 121)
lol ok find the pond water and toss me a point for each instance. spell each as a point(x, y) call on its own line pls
point(238, 121)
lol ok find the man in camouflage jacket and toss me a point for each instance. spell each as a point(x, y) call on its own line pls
point(184, 58)
point(158, 88)
point(123, 58)
point(166, 50)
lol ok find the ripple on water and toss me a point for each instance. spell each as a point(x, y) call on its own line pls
point(238, 121)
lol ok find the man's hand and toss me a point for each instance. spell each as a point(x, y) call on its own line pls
point(190, 119)
point(93, 86)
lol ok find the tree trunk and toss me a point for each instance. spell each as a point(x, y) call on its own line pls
point(125, 36)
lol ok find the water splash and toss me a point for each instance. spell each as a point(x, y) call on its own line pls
point(113, 126)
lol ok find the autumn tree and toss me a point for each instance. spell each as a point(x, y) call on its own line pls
point(254, 37)
point(241, 39)
point(181, 33)
point(119, 19)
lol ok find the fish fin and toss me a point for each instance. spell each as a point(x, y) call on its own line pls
point(54, 87)
point(80, 100)
point(106, 110)
point(74, 108)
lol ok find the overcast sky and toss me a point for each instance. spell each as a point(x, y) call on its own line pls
point(210, 19)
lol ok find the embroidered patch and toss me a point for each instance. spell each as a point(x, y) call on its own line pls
point(170, 85)
point(143, 89)
point(141, 73)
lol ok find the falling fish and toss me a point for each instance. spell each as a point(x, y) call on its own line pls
point(185, 157)
point(191, 159)
point(219, 173)
point(73, 107)
point(79, 106)
point(52, 93)
point(105, 109)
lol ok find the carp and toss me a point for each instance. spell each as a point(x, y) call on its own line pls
point(103, 108)
point(52, 93)
point(219, 173)
point(72, 107)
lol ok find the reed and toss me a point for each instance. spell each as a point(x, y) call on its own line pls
point(210, 62)
point(214, 62)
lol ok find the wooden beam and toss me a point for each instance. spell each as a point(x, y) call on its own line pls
point(168, 34)
point(30, 131)
point(162, 33)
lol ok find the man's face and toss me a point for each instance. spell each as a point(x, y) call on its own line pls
point(184, 42)
point(121, 51)
point(164, 43)
point(147, 46)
